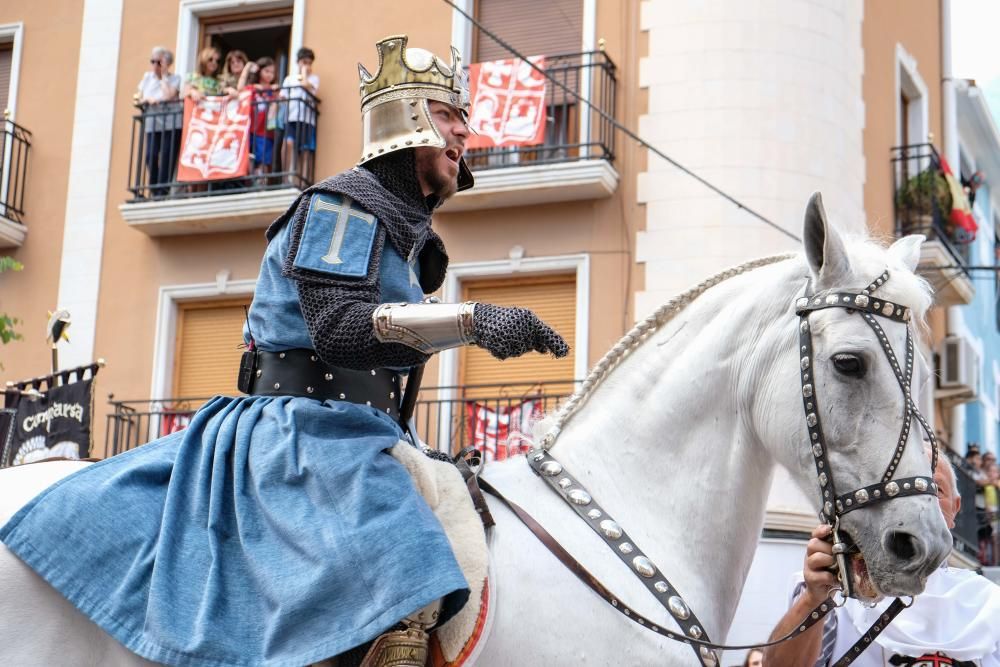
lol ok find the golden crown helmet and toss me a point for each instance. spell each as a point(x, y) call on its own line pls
point(394, 101)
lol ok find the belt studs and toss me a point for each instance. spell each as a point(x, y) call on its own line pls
point(281, 355)
point(277, 385)
point(259, 372)
point(309, 390)
point(328, 376)
point(343, 396)
point(312, 357)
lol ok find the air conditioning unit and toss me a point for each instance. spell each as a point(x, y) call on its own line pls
point(958, 372)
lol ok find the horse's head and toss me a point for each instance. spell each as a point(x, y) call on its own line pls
point(856, 449)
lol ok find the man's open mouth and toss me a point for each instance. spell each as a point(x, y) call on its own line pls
point(454, 154)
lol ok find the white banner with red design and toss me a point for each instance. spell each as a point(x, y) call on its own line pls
point(216, 140)
point(508, 103)
point(501, 431)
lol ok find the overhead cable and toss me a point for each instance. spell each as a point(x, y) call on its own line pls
point(624, 130)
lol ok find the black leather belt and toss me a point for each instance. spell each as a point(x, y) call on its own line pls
point(302, 373)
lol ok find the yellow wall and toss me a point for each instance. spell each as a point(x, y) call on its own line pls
point(916, 25)
point(135, 266)
point(45, 101)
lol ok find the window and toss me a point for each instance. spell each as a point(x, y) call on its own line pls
point(6, 62)
point(553, 299)
point(257, 35)
point(209, 347)
point(552, 29)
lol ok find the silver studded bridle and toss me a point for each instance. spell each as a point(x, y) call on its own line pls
point(833, 506)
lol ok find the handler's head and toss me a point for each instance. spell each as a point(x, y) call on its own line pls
point(415, 100)
point(948, 498)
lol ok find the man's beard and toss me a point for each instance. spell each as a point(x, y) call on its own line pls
point(442, 185)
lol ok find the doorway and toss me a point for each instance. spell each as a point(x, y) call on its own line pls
point(259, 34)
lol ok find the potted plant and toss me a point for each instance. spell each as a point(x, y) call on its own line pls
point(917, 200)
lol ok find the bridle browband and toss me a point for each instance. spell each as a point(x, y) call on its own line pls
point(833, 506)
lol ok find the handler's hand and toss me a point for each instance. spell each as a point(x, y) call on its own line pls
point(819, 556)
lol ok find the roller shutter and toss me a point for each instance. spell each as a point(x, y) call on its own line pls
point(553, 299)
point(6, 59)
point(533, 28)
point(209, 339)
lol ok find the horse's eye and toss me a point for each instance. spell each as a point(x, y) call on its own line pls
point(851, 365)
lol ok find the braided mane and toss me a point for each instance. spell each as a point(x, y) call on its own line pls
point(553, 425)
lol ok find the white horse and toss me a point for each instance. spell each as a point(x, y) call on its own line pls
point(679, 428)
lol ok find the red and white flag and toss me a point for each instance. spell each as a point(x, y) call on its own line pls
point(508, 103)
point(501, 431)
point(216, 138)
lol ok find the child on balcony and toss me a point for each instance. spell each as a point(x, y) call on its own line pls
point(300, 131)
point(265, 117)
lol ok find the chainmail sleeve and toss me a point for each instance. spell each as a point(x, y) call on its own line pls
point(339, 320)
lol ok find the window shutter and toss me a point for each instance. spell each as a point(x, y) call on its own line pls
point(6, 59)
point(553, 299)
point(208, 352)
point(533, 28)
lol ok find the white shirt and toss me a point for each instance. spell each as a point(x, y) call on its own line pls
point(151, 88)
point(292, 89)
point(958, 614)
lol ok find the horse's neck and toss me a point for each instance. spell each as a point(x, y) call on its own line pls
point(664, 445)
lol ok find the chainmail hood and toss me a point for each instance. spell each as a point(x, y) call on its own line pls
point(389, 189)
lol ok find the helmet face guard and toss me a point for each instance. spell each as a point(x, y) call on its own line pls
point(395, 112)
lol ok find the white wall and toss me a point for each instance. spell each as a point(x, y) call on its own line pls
point(762, 99)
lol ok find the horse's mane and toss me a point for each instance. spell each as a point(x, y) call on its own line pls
point(865, 249)
point(549, 428)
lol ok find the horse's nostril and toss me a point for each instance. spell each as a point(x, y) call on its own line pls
point(903, 546)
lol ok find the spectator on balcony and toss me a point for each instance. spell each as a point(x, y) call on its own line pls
point(300, 89)
point(234, 72)
point(262, 80)
point(990, 551)
point(161, 119)
point(204, 81)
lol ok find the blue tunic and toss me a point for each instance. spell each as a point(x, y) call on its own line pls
point(272, 531)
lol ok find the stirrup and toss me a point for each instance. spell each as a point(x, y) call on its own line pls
point(399, 648)
point(409, 647)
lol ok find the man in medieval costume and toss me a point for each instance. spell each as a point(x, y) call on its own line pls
point(276, 529)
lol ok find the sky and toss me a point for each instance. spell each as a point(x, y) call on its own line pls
point(975, 48)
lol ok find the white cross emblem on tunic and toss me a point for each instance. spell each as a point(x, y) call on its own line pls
point(344, 212)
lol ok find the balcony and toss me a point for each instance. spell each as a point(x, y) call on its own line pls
point(492, 418)
point(15, 143)
point(575, 160)
point(923, 206)
point(162, 204)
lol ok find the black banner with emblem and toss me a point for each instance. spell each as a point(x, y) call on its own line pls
point(51, 418)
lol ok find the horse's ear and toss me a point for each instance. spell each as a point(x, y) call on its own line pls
point(907, 250)
point(825, 249)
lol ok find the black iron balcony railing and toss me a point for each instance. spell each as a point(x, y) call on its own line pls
point(495, 418)
point(923, 201)
point(15, 142)
point(281, 140)
point(573, 131)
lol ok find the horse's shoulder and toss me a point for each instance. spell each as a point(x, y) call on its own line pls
point(22, 483)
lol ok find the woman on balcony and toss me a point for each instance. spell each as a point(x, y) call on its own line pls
point(234, 73)
point(161, 119)
point(204, 82)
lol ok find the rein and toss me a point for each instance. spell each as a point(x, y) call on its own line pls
point(834, 506)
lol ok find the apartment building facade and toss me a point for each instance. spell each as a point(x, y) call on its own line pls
point(156, 278)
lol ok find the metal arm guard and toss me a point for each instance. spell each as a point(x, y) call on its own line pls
point(427, 327)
